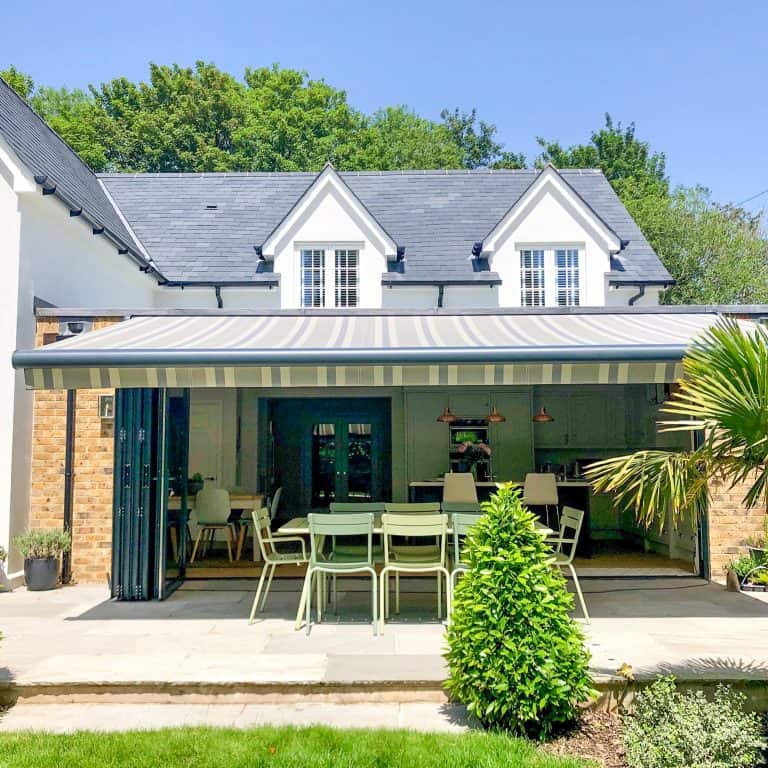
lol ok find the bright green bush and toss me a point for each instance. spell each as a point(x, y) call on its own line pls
point(516, 658)
point(42, 543)
point(684, 730)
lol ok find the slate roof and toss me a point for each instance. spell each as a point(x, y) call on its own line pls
point(436, 215)
point(44, 153)
point(205, 227)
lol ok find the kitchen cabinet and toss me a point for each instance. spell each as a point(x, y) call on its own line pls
point(512, 440)
point(427, 438)
point(586, 419)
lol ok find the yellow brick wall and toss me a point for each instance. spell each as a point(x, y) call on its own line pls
point(730, 525)
point(92, 468)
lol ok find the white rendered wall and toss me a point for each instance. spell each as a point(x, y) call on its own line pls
point(329, 223)
point(11, 388)
point(52, 256)
point(205, 298)
point(619, 297)
point(550, 222)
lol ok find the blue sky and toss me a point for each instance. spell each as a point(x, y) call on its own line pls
point(691, 75)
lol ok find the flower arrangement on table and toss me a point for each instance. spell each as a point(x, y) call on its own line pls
point(472, 453)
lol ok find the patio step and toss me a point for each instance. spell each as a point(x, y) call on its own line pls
point(614, 692)
point(223, 693)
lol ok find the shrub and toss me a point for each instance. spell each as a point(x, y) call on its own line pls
point(670, 729)
point(741, 566)
point(515, 656)
point(3, 555)
point(43, 543)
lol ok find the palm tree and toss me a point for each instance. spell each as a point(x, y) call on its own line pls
point(723, 397)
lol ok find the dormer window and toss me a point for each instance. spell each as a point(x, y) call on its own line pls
point(550, 277)
point(330, 276)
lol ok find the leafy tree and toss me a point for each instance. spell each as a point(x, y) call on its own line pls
point(628, 163)
point(397, 138)
point(23, 84)
point(718, 255)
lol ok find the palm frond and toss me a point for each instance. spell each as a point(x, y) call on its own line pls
point(654, 484)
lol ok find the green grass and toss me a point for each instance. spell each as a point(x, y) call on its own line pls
point(315, 747)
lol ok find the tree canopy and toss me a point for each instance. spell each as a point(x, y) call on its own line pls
point(274, 119)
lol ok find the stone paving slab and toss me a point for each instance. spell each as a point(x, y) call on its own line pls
point(66, 718)
point(201, 634)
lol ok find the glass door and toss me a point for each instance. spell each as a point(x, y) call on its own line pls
point(342, 463)
point(176, 542)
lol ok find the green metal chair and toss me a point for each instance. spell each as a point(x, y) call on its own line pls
point(412, 508)
point(468, 507)
point(272, 558)
point(355, 547)
point(461, 523)
point(321, 527)
point(565, 548)
point(413, 560)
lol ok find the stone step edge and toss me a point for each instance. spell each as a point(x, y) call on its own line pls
point(613, 692)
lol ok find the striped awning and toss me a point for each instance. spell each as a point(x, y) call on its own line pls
point(319, 349)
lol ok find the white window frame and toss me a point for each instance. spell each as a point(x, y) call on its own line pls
point(331, 287)
point(551, 274)
point(551, 289)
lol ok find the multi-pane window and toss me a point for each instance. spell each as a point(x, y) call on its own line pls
point(312, 277)
point(532, 278)
point(567, 265)
point(346, 277)
point(332, 281)
point(550, 277)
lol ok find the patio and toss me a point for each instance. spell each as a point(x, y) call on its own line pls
point(199, 639)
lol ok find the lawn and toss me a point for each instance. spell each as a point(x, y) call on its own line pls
point(315, 747)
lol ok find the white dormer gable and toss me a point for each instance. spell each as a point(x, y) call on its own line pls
point(330, 248)
point(551, 248)
point(329, 184)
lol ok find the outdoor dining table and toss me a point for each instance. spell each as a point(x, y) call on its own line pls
point(299, 526)
point(239, 504)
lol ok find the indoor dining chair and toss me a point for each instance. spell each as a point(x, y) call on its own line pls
point(459, 487)
point(413, 560)
point(540, 490)
point(565, 548)
point(322, 527)
point(271, 556)
point(211, 514)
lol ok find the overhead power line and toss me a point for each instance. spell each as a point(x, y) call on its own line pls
point(749, 199)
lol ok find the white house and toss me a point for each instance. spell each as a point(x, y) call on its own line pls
point(399, 248)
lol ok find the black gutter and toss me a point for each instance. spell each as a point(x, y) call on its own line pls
point(139, 358)
point(269, 283)
point(439, 283)
point(69, 479)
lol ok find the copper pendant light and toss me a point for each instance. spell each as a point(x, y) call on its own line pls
point(447, 416)
point(494, 417)
point(542, 417)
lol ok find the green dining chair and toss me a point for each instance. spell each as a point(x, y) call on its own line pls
point(322, 527)
point(565, 548)
point(413, 560)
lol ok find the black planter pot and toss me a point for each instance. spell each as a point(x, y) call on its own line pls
point(41, 573)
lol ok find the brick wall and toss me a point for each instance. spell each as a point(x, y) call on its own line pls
point(92, 467)
point(730, 525)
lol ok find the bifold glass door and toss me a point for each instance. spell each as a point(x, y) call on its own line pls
point(150, 496)
point(342, 463)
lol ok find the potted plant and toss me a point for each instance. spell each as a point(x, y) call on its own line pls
point(757, 546)
point(195, 484)
point(41, 550)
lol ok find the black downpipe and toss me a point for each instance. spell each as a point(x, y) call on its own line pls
point(69, 480)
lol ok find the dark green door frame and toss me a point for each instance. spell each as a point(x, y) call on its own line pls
point(140, 500)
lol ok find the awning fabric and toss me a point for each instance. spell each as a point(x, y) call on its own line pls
point(305, 350)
